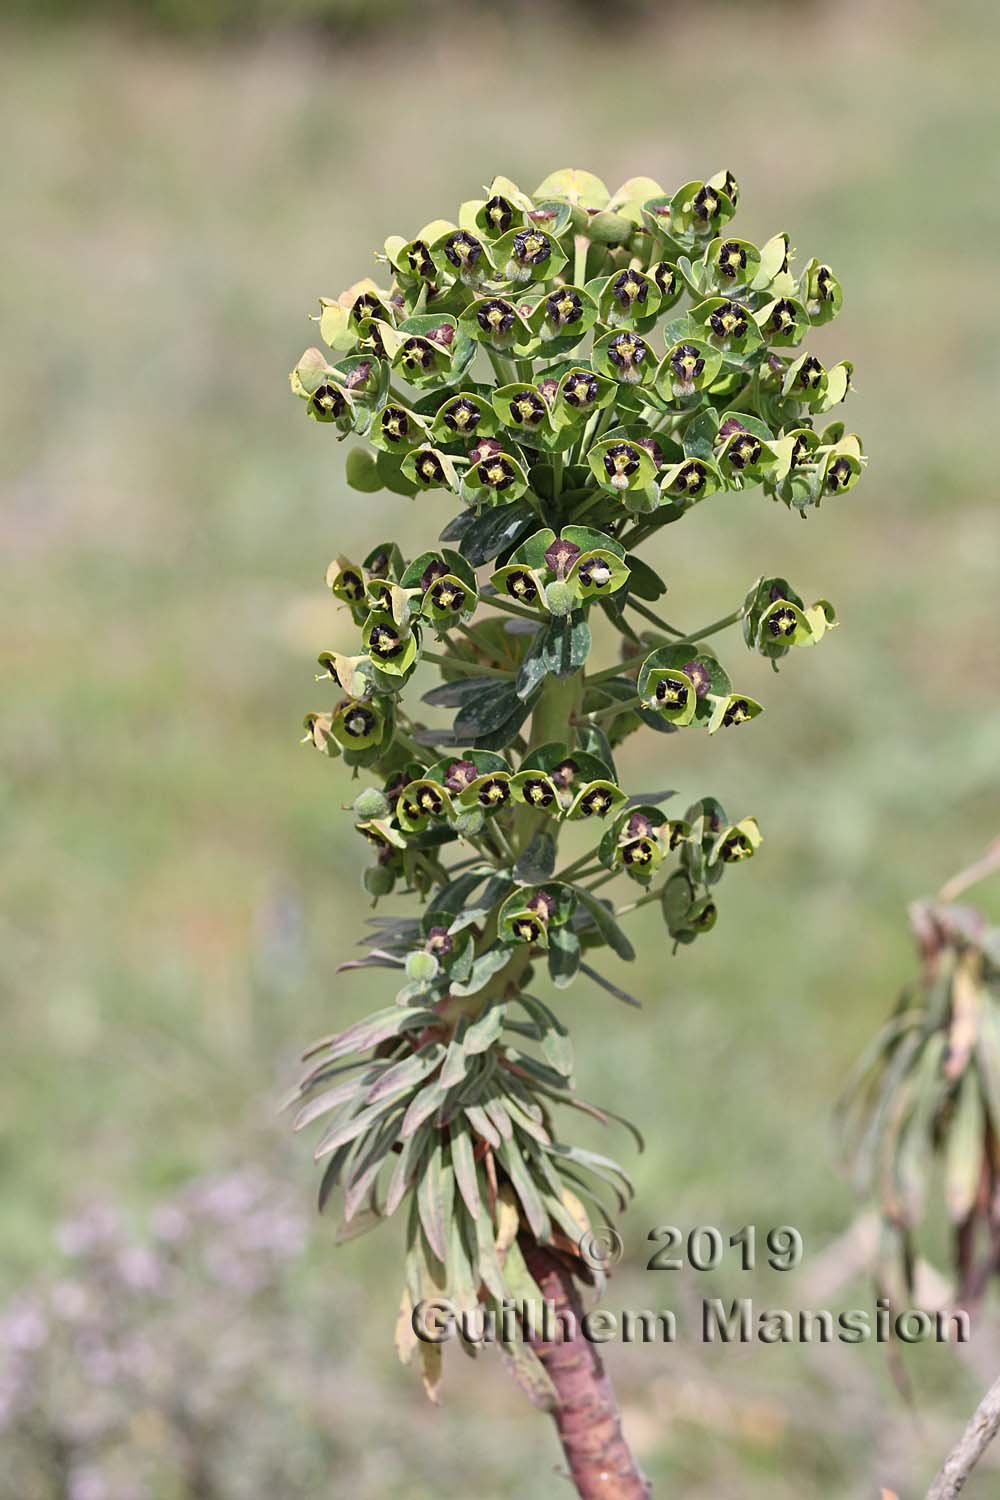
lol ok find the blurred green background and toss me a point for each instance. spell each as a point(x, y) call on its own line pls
point(179, 881)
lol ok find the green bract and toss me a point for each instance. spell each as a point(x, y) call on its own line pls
point(551, 377)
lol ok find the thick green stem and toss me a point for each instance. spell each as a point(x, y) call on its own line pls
point(553, 719)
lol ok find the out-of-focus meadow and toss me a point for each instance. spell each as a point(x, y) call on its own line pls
point(178, 878)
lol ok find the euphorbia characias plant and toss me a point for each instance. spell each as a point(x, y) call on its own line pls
point(557, 377)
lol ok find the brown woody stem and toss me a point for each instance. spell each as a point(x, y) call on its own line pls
point(587, 1418)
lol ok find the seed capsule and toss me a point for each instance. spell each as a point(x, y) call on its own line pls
point(638, 826)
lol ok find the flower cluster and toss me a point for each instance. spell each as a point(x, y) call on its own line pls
point(575, 369)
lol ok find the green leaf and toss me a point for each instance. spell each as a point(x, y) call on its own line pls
point(362, 472)
point(538, 861)
point(372, 1030)
point(484, 1032)
point(485, 966)
point(964, 1151)
point(606, 925)
point(527, 1192)
point(431, 1206)
point(464, 1164)
point(567, 644)
point(554, 1038)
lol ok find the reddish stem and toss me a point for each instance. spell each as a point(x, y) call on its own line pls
point(587, 1418)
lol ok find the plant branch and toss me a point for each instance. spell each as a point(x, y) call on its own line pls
point(466, 668)
point(654, 618)
point(624, 705)
point(716, 626)
point(620, 670)
point(496, 602)
point(586, 1415)
point(969, 1449)
point(988, 865)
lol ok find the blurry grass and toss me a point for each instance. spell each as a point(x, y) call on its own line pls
point(178, 881)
